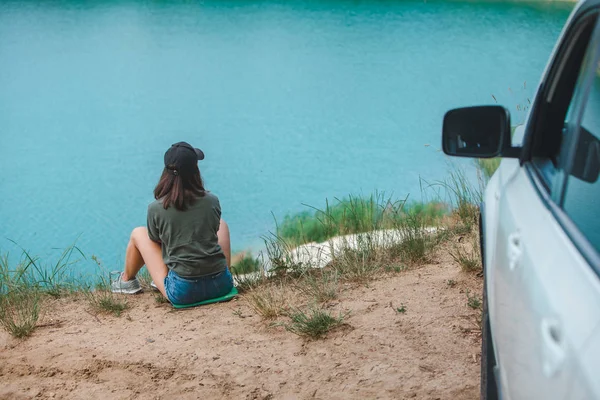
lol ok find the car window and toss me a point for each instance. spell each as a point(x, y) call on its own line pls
point(555, 122)
point(582, 195)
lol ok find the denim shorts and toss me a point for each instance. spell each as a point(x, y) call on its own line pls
point(192, 290)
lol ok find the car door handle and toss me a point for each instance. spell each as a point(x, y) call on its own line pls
point(514, 250)
point(553, 347)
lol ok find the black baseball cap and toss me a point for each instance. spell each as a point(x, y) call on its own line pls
point(181, 158)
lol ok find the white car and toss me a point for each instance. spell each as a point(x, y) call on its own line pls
point(540, 225)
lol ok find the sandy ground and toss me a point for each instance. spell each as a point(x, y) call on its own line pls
point(228, 351)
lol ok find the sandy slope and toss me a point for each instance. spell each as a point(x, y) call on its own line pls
point(227, 351)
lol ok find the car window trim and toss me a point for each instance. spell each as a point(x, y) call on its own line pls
point(581, 243)
point(540, 175)
point(565, 55)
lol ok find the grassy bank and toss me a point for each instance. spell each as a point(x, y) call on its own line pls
point(358, 214)
point(375, 235)
point(355, 214)
point(29, 284)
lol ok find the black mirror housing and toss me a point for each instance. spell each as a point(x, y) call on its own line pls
point(481, 132)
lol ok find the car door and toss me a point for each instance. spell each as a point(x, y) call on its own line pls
point(541, 313)
point(580, 213)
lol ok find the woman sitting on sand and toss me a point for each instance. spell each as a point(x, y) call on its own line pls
point(186, 245)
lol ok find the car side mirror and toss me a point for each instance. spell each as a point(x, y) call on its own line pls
point(481, 132)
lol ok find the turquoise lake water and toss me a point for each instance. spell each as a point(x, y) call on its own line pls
point(293, 102)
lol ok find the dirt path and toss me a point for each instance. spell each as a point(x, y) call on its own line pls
point(227, 351)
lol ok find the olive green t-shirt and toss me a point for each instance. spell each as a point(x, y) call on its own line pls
point(189, 238)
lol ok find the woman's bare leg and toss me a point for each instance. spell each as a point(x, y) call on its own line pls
point(141, 250)
point(224, 241)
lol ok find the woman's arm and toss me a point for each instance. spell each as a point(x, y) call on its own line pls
point(224, 241)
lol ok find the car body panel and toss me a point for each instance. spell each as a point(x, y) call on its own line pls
point(586, 382)
point(508, 168)
point(549, 290)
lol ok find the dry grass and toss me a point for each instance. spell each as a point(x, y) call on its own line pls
point(269, 301)
point(101, 299)
point(104, 301)
point(145, 279)
point(248, 282)
point(321, 286)
point(356, 265)
point(468, 255)
point(365, 256)
point(19, 311)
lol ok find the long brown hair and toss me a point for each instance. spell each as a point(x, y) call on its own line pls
point(178, 188)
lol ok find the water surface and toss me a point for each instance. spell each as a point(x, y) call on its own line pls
point(292, 102)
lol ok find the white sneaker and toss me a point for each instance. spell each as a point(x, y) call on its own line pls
point(118, 285)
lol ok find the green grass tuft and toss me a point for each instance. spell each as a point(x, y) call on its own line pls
point(55, 279)
point(279, 250)
point(473, 301)
point(108, 302)
point(358, 265)
point(20, 311)
point(315, 323)
point(269, 302)
point(321, 286)
point(417, 243)
point(468, 261)
point(20, 298)
point(101, 299)
point(401, 309)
